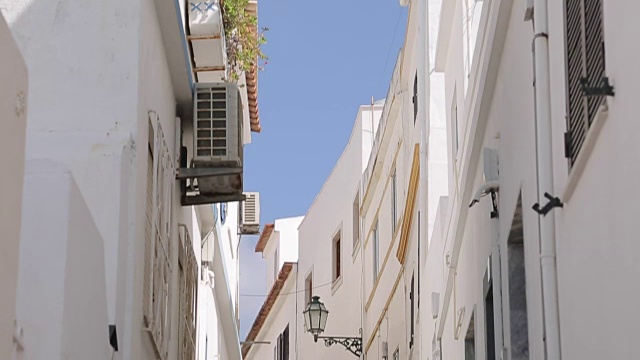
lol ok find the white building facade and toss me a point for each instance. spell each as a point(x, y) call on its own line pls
point(13, 112)
point(462, 249)
point(331, 241)
point(275, 331)
point(106, 236)
point(516, 276)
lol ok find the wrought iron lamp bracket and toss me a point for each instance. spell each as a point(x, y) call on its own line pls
point(351, 344)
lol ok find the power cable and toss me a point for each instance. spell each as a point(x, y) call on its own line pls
point(289, 293)
point(386, 62)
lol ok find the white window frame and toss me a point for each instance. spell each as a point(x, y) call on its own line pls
point(157, 264)
point(375, 244)
point(394, 201)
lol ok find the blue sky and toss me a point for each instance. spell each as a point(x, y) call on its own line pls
point(326, 58)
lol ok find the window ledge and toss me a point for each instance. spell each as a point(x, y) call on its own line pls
point(585, 152)
point(336, 284)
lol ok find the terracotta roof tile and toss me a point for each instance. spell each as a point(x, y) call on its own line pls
point(251, 78)
point(264, 237)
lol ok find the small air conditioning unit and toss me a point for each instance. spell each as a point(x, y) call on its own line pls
point(217, 125)
point(250, 214)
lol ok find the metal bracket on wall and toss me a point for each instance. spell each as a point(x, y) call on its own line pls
point(553, 203)
point(604, 90)
point(494, 204)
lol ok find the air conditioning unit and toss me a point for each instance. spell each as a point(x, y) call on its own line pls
point(217, 125)
point(250, 214)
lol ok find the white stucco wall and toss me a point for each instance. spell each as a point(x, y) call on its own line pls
point(218, 315)
point(288, 231)
point(13, 123)
point(67, 270)
point(100, 89)
point(595, 249)
point(283, 313)
point(332, 212)
point(282, 246)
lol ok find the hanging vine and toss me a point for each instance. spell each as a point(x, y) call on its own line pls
point(243, 39)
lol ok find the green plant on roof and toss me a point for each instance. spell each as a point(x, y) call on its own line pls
point(243, 40)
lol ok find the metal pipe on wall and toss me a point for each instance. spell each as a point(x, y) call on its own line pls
point(544, 158)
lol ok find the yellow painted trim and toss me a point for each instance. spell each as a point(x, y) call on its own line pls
point(384, 310)
point(407, 218)
point(384, 264)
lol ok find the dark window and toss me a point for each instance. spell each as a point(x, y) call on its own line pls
point(285, 344)
point(337, 258)
point(282, 347)
point(356, 220)
point(411, 299)
point(470, 340)
point(415, 98)
point(585, 67)
point(517, 289)
point(488, 314)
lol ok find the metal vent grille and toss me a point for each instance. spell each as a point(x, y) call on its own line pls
point(585, 59)
point(250, 209)
point(211, 121)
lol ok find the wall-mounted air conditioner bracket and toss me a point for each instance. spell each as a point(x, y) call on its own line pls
point(210, 199)
point(199, 172)
point(210, 185)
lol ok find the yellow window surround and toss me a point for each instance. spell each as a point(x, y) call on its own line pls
point(410, 204)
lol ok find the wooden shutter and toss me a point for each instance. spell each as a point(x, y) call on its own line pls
point(585, 59)
point(188, 298)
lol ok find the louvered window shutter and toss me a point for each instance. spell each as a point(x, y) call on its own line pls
point(188, 274)
point(157, 266)
point(585, 59)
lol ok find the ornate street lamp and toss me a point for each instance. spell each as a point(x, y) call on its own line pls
point(315, 319)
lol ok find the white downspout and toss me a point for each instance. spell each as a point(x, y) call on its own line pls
point(545, 179)
point(497, 291)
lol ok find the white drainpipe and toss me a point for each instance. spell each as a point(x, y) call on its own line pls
point(497, 290)
point(545, 179)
